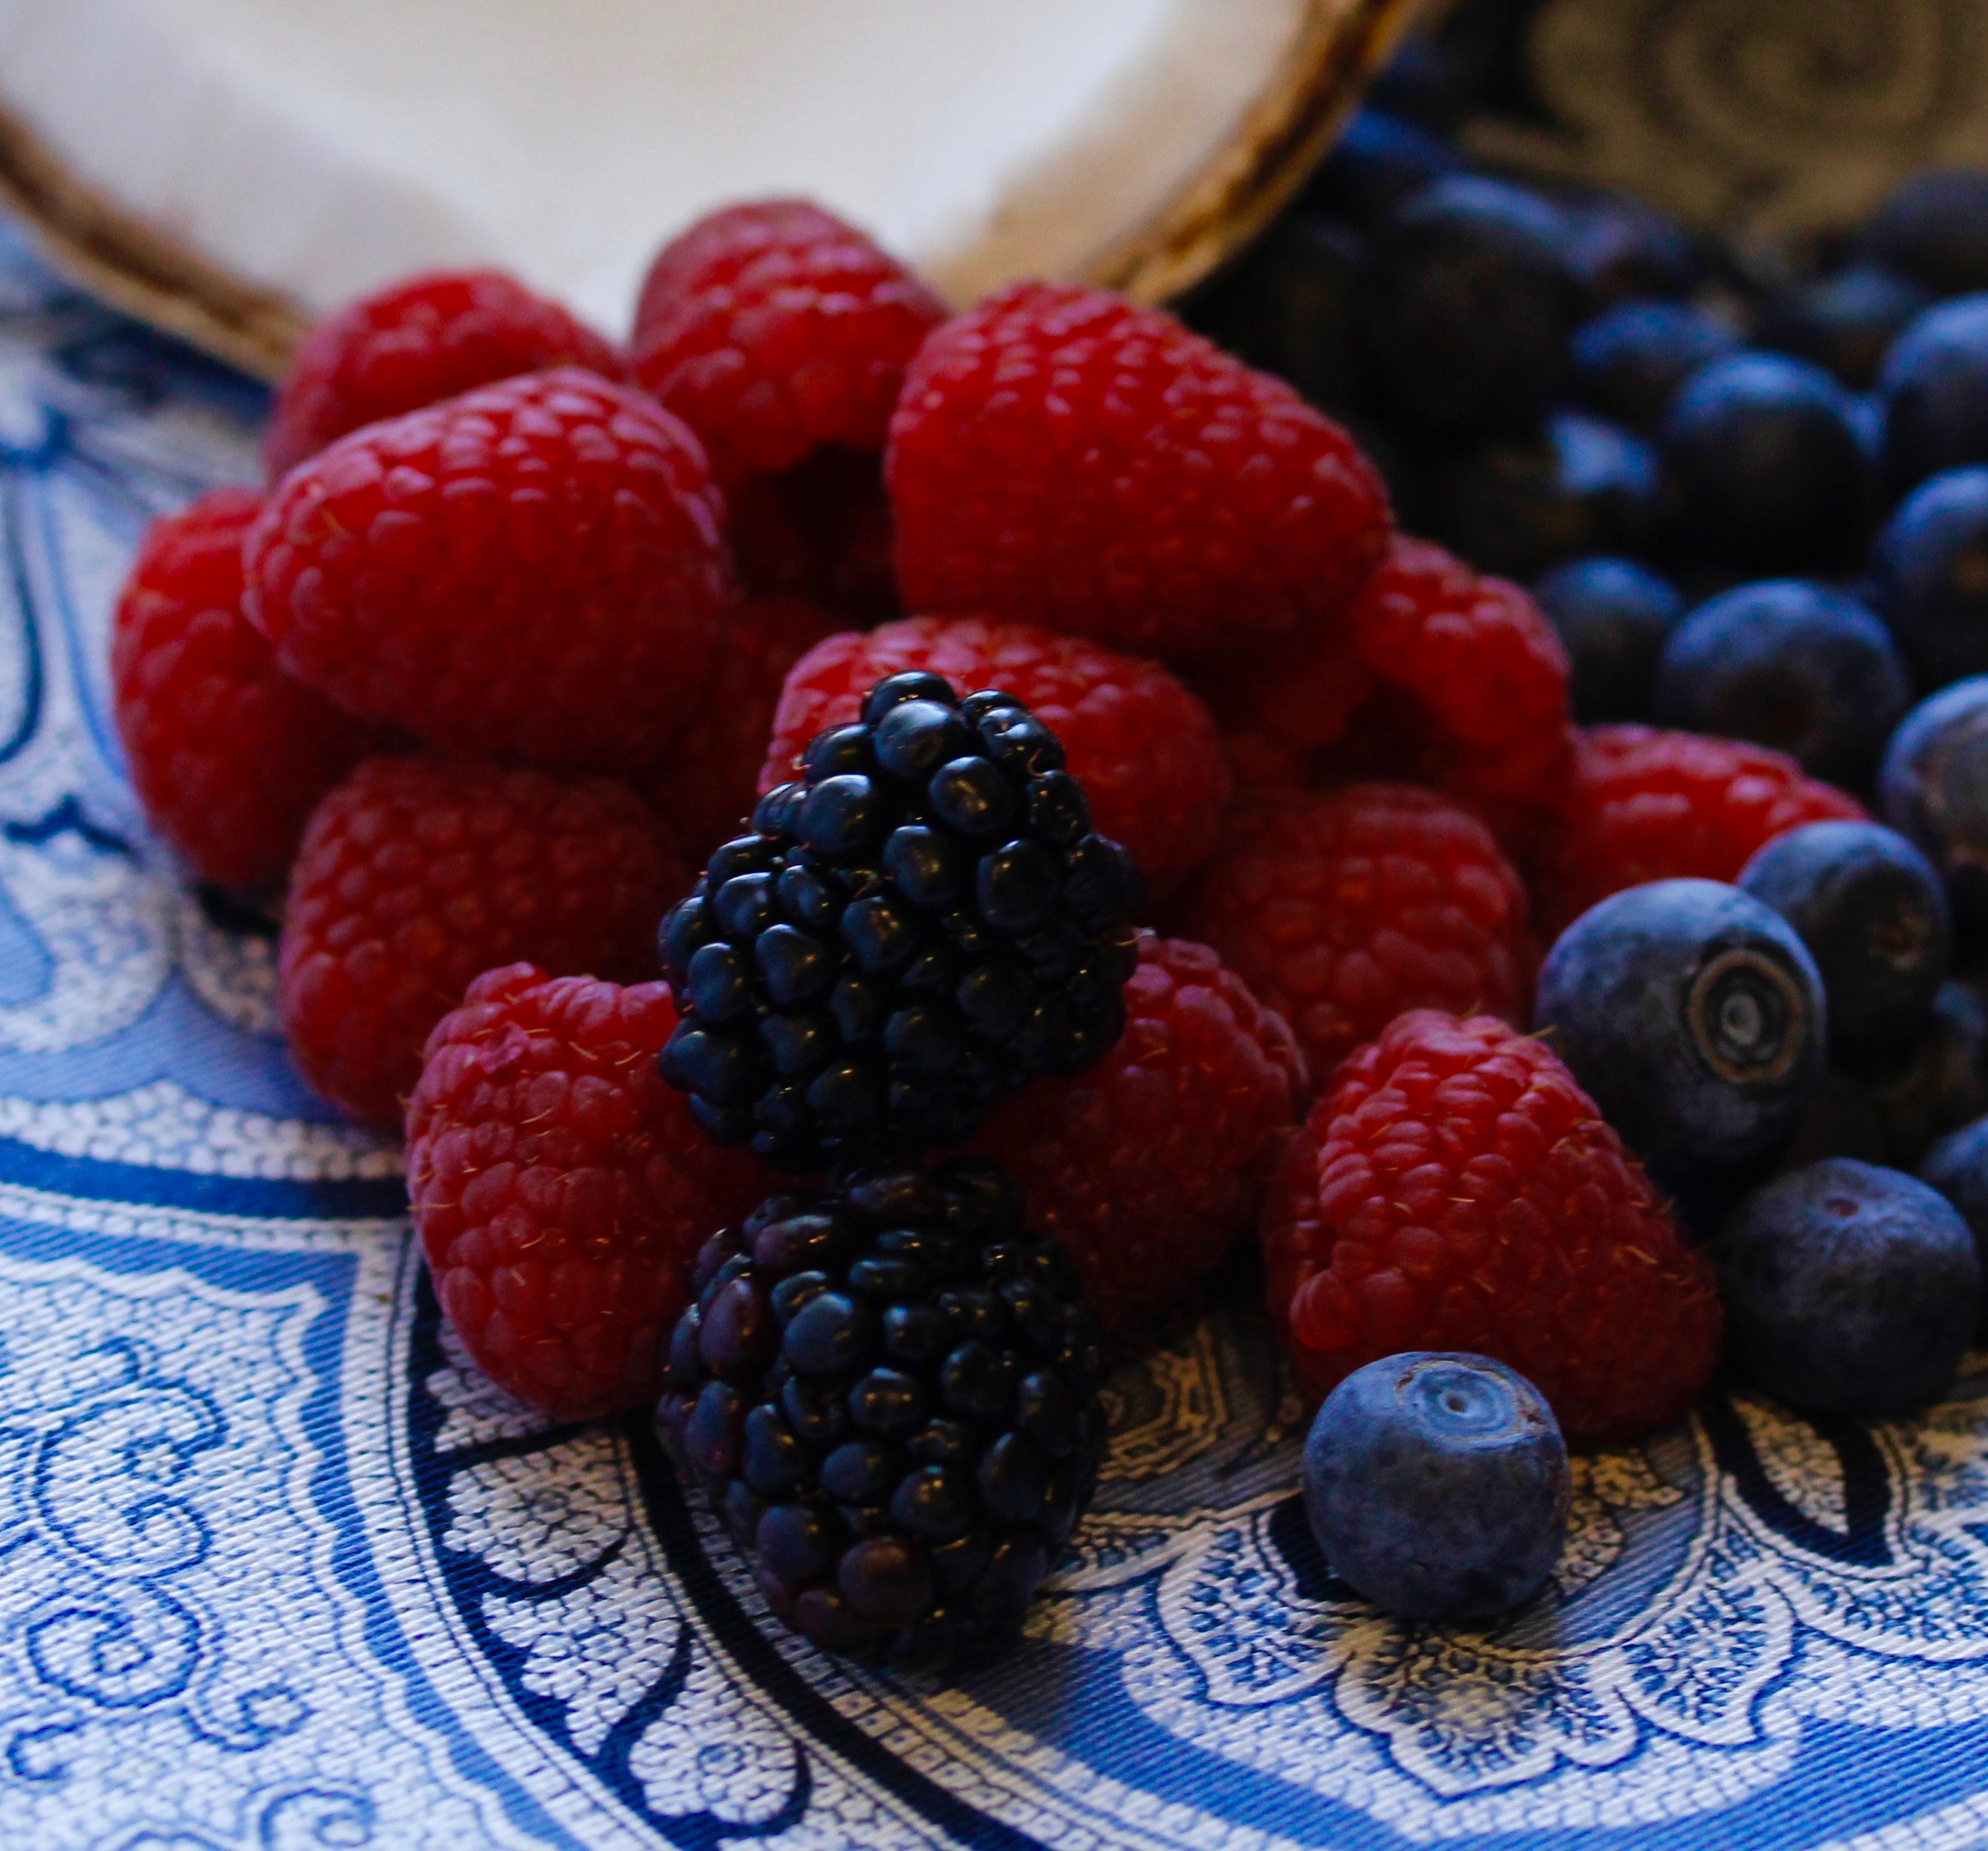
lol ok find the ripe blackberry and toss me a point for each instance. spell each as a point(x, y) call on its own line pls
point(889, 1392)
point(917, 927)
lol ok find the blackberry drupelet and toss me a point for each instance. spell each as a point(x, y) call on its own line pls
point(889, 1392)
point(915, 928)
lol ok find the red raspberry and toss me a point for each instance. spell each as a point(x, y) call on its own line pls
point(1456, 1189)
point(707, 788)
point(1279, 710)
point(773, 327)
point(1344, 908)
point(1146, 1166)
point(228, 753)
point(1061, 456)
point(1144, 749)
point(533, 568)
point(560, 1189)
point(820, 531)
point(419, 341)
point(1647, 805)
point(417, 873)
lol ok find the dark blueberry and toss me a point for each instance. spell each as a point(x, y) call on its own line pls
point(746, 905)
point(832, 1332)
point(1871, 911)
point(1933, 789)
point(843, 1095)
point(1019, 743)
point(1629, 361)
point(1018, 885)
point(841, 816)
point(737, 1334)
point(1929, 573)
point(1933, 228)
point(1957, 1166)
point(1940, 1082)
point(1845, 322)
point(1057, 809)
point(687, 926)
point(1614, 617)
point(934, 1501)
point(1766, 465)
point(909, 684)
point(972, 796)
point(888, 1579)
point(1848, 1288)
point(776, 812)
point(915, 737)
point(1378, 162)
point(886, 1401)
point(880, 931)
point(1692, 1015)
point(1517, 505)
point(1623, 248)
point(742, 855)
point(723, 1070)
point(1934, 387)
point(927, 865)
point(1438, 1486)
point(1469, 305)
point(841, 750)
point(1291, 306)
point(1788, 664)
point(796, 1542)
point(719, 982)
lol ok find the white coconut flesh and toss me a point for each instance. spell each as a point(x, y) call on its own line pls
point(315, 149)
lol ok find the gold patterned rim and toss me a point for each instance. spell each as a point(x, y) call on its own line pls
point(150, 276)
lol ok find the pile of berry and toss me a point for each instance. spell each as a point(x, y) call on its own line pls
point(865, 847)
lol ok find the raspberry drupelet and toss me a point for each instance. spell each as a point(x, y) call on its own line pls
point(415, 343)
point(228, 753)
point(560, 1190)
point(1341, 909)
point(1454, 1190)
point(1061, 456)
point(416, 874)
point(1143, 747)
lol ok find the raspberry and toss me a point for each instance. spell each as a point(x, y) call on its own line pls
point(1454, 1190)
point(1063, 457)
point(820, 531)
point(916, 928)
point(1342, 909)
point(1145, 1167)
point(415, 343)
point(1279, 710)
point(561, 1190)
point(707, 787)
point(533, 568)
point(889, 1392)
point(1647, 805)
point(1144, 748)
point(772, 328)
point(417, 873)
point(228, 753)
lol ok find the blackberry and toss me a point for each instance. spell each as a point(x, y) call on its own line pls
point(917, 927)
point(889, 1392)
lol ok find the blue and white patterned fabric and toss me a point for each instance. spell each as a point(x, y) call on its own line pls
point(278, 1570)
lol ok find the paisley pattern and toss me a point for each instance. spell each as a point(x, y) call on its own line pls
point(279, 1570)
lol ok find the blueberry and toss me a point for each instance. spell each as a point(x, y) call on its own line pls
point(1845, 322)
point(1378, 162)
point(1516, 504)
point(1436, 1485)
point(1933, 228)
point(1623, 248)
point(1848, 1288)
point(1940, 1082)
point(1613, 617)
point(1929, 576)
point(1934, 384)
point(1957, 1166)
point(1290, 306)
point(1788, 664)
point(1873, 913)
point(1765, 463)
point(1469, 305)
point(1629, 361)
point(1933, 789)
point(1693, 1017)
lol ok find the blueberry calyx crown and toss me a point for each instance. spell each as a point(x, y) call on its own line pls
point(919, 924)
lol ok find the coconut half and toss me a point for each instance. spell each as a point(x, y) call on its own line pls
point(231, 169)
